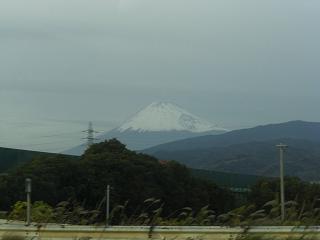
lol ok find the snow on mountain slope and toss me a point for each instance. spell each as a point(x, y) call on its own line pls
point(158, 123)
point(164, 116)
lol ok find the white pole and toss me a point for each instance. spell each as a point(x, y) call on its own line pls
point(28, 191)
point(107, 205)
point(282, 148)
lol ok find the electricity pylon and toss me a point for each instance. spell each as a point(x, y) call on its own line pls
point(90, 135)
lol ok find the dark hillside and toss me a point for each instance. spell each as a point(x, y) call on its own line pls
point(227, 179)
point(133, 176)
point(295, 130)
point(10, 158)
point(254, 158)
point(251, 151)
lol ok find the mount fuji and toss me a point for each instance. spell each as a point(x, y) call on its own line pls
point(158, 123)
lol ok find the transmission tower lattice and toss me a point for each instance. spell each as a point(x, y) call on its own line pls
point(90, 135)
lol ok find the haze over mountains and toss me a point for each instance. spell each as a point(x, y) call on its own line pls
point(251, 151)
point(158, 123)
point(169, 132)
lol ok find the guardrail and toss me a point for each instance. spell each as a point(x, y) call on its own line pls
point(72, 232)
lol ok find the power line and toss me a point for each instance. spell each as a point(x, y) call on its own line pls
point(61, 135)
point(69, 135)
point(38, 144)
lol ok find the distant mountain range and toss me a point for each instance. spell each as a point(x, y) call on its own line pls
point(251, 151)
point(171, 133)
point(158, 123)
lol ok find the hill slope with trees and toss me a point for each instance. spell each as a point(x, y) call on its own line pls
point(251, 151)
point(289, 130)
point(134, 177)
point(10, 157)
point(302, 158)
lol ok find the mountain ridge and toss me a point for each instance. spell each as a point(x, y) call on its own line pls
point(251, 151)
point(158, 123)
point(292, 129)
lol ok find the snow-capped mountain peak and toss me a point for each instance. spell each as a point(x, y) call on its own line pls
point(158, 123)
point(165, 116)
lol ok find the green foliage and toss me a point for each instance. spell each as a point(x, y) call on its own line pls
point(134, 177)
point(10, 158)
point(73, 213)
point(18, 211)
point(174, 197)
point(249, 215)
point(267, 190)
point(52, 179)
point(226, 179)
point(151, 213)
point(40, 212)
point(302, 205)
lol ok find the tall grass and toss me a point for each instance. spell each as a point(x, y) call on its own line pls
point(151, 213)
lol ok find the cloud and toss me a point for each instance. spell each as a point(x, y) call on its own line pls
point(227, 60)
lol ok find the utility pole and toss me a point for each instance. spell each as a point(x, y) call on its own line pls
point(282, 148)
point(90, 135)
point(28, 191)
point(108, 206)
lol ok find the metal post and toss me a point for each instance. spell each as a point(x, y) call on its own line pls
point(28, 191)
point(107, 205)
point(282, 148)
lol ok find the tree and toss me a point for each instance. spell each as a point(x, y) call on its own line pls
point(134, 177)
point(295, 190)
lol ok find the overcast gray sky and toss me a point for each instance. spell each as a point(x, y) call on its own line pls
point(235, 63)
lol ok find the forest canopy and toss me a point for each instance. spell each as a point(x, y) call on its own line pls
point(134, 177)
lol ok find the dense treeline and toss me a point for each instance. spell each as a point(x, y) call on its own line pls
point(73, 191)
point(302, 205)
point(302, 210)
point(302, 192)
point(134, 177)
